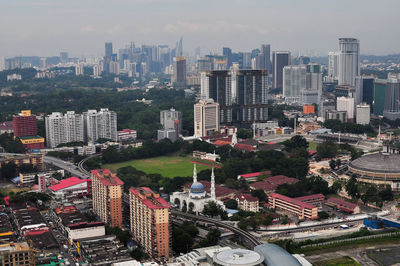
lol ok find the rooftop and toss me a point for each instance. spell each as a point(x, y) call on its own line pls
point(255, 174)
point(271, 183)
point(220, 191)
point(378, 162)
point(343, 203)
point(149, 198)
point(30, 137)
point(292, 200)
point(238, 257)
point(311, 197)
point(107, 178)
point(247, 197)
point(275, 255)
point(69, 182)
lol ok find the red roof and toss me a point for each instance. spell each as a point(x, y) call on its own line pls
point(311, 197)
point(69, 182)
point(247, 197)
point(343, 204)
point(255, 174)
point(149, 198)
point(107, 177)
point(271, 183)
point(311, 152)
point(300, 204)
point(244, 147)
point(222, 142)
point(8, 125)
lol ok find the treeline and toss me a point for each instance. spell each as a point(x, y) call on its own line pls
point(330, 149)
point(10, 144)
point(353, 128)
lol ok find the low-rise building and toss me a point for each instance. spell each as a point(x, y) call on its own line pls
point(271, 183)
point(16, 254)
point(6, 127)
point(342, 205)
point(247, 202)
point(253, 176)
point(293, 206)
point(35, 159)
point(315, 200)
point(71, 187)
point(126, 134)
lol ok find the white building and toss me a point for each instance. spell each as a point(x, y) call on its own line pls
point(64, 128)
point(312, 93)
point(349, 61)
point(114, 68)
point(171, 119)
point(102, 124)
point(346, 104)
point(96, 71)
point(363, 114)
point(197, 197)
point(14, 77)
point(294, 82)
point(79, 69)
point(206, 117)
point(333, 63)
point(71, 187)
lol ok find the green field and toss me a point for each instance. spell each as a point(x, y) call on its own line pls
point(168, 166)
point(312, 146)
point(344, 261)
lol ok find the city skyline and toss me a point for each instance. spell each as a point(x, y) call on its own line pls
point(309, 27)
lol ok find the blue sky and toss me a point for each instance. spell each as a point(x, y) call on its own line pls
point(46, 27)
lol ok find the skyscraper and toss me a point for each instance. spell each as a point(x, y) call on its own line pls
point(392, 99)
point(312, 93)
point(107, 192)
point(363, 114)
point(79, 69)
point(346, 104)
point(266, 53)
point(280, 59)
point(170, 119)
point(227, 52)
point(333, 64)
point(102, 124)
point(294, 82)
point(206, 117)
point(179, 48)
point(150, 222)
point(64, 128)
point(24, 124)
point(179, 78)
point(365, 90)
point(108, 49)
point(349, 61)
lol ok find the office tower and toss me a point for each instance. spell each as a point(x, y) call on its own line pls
point(16, 254)
point(102, 124)
point(150, 222)
point(365, 90)
point(64, 57)
point(171, 119)
point(179, 78)
point(363, 114)
point(346, 104)
point(312, 93)
point(107, 193)
point(64, 128)
point(108, 49)
point(294, 82)
point(79, 69)
point(246, 61)
point(204, 64)
point(380, 86)
point(280, 59)
point(227, 53)
point(251, 96)
point(96, 70)
point(179, 48)
point(24, 124)
point(392, 98)
point(266, 54)
point(2, 63)
point(206, 117)
point(303, 60)
point(333, 64)
point(114, 68)
point(349, 61)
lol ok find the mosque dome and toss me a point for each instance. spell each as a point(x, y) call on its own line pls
point(197, 188)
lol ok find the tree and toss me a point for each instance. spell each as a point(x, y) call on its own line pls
point(327, 149)
point(9, 170)
point(352, 188)
point(323, 215)
point(182, 241)
point(386, 194)
point(332, 164)
point(260, 194)
point(231, 204)
point(295, 142)
point(244, 133)
point(211, 239)
point(336, 187)
point(212, 209)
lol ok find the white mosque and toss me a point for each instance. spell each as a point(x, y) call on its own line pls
point(196, 198)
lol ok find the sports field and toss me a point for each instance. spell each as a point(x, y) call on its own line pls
point(168, 166)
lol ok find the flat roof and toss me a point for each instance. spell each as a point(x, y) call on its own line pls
point(107, 178)
point(238, 257)
point(292, 200)
point(69, 182)
point(378, 162)
point(149, 198)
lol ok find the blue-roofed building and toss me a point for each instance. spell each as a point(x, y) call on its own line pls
point(275, 255)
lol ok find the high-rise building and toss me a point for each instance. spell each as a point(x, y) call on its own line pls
point(380, 86)
point(363, 114)
point(333, 64)
point(392, 99)
point(294, 82)
point(108, 49)
point(107, 193)
point(266, 56)
point(365, 90)
point(64, 128)
point(100, 124)
point(349, 61)
point(227, 52)
point(150, 222)
point(280, 59)
point(24, 124)
point(16, 254)
point(79, 69)
point(312, 93)
point(346, 104)
point(96, 70)
point(114, 68)
point(179, 78)
point(171, 119)
point(206, 117)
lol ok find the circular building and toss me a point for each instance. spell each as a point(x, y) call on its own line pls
point(238, 257)
point(378, 168)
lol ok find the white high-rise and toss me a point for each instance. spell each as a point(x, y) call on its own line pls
point(333, 63)
point(96, 70)
point(206, 117)
point(64, 128)
point(349, 61)
point(294, 82)
point(312, 93)
point(79, 69)
point(102, 124)
point(363, 114)
point(346, 104)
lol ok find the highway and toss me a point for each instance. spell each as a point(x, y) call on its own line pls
point(67, 166)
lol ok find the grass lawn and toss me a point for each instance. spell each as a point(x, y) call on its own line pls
point(7, 191)
point(312, 145)
point(167, 166)
point(344, 261)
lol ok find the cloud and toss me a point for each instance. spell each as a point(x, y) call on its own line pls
point(87, 28)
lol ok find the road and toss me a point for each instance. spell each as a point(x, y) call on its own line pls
point(67, 166)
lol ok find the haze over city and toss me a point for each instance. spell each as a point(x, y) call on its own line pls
point(311, 27)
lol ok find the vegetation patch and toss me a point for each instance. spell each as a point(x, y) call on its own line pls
point(343, 261)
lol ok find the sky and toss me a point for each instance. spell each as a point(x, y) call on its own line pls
point(308, 27)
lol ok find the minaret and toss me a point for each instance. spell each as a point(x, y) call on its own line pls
point(234, 139)
point(194, 174)
point(212, 184)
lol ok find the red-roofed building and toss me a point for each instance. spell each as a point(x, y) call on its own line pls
point(342, 205)
point(150, 224)
point(244, 147)
point(253, 176)
point(107, 192)
point(221, 193)
point(222, 142)
point(315, 199)
point(301, 209)
point(247, 202)
point(271, 183)
point(72, 187)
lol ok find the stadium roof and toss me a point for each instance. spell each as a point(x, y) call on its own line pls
point(378, 162)
point(275, 255)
